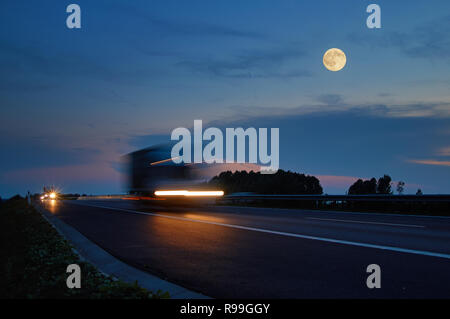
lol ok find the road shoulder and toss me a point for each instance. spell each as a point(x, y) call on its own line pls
point(112, 266)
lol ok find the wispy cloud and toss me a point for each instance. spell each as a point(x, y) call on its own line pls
point(63, 174)
point(331, 104)
point(429, 41)
point(430, 162)
point(330, 99)
point(385, 94)
point(256, 64)
point(33, 68)
point(22, 58)
point(419, 109)
point(185, 27)
point(445, 151)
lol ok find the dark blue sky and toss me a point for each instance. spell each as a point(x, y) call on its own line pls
point(73, 101)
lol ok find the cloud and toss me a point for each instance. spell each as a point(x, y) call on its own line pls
point(330, 99)
point(187, 28)
point(428, 41)
point(408, 110)
point(419, 109)
point(86, 178)
point(142, 141)
point(19, 153)
point(29, 68)
point(430, 162)
point(445, 151)
point(20, 58)
point(256, 64)
point(62, 174)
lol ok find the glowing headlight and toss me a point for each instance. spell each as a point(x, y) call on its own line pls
point(52, 195)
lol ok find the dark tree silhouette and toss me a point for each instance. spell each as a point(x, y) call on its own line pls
point(400, 187)
point(281, 182)
point(361, 187)
point(366, 187)
point(384, 185)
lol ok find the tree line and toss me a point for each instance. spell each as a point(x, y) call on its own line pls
point(372, 186)
point(287, 182)
point(282, 182)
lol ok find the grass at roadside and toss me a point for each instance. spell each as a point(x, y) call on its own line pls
point(34, 258)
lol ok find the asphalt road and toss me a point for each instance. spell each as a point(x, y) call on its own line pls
point(234, 252)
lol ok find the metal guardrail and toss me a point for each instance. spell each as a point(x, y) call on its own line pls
point(342, 198)
point(91, 197)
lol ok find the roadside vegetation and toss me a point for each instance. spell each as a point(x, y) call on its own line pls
point(299, 184)
point(34, 258)
point(282, 182)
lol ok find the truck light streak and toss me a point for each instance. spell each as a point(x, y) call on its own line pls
point(188, 193)
point(164, 161)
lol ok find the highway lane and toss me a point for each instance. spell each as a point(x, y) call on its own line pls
point(262, 253)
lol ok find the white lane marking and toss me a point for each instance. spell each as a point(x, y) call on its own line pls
point(363, 222)
point(288, 210)
point(261, 230)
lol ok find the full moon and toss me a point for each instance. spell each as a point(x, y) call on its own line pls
point(334, 59)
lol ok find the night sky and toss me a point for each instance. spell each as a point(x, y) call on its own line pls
point(74, 101)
